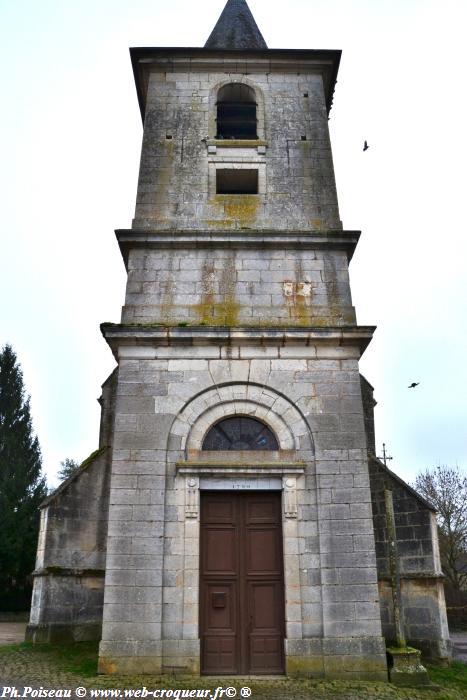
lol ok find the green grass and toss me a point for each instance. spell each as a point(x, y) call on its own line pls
point(454, 676)
point(79, 658)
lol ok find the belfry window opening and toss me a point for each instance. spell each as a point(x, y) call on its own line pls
point(236, 112)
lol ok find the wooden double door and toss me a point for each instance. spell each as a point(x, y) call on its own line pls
point(242, 583)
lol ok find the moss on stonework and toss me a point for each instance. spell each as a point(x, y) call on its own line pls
point(303, 666)
point(220, 224)
point(92, 457)
point(223, 313)
point(223, 316)
point(242, 208)
point(402, 650)
point(63, 571)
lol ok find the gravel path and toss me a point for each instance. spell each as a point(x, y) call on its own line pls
point(12, 632)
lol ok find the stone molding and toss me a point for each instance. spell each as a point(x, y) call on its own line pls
point(289, 485)
point(244, 407)
point(312, 240)
point(191, 497)
point(286, 483)
point(262, 61)
point(142, 342)
point(279, 414)
point(259, 99)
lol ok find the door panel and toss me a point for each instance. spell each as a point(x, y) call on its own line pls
point(220, 552)
point(260, 511)
point(262, 552)
point(266, 610)
point(241, 583)
point(221, 608)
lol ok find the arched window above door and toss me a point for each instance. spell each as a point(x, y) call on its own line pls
point(236, 112)
point(240, 433)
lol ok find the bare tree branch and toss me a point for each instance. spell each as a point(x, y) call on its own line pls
point(446, 488)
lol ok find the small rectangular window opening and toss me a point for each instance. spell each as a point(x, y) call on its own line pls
point(237, 181)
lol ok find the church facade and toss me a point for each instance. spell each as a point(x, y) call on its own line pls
point(233, 519)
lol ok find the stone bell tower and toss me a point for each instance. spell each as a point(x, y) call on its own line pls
point(240, 535)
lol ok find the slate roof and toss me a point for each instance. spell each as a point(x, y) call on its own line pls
point(236, 29)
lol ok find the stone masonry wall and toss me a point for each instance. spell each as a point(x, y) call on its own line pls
point(413, 525)
point(424, 612)
point(69, 577)
point(424, 608)
point(179, 157)
point(151, 596)
point(238, 287)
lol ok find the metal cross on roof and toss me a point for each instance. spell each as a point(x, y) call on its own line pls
point(385, 458)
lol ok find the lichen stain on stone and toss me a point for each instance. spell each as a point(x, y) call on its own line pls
point(164, 176)
point(107, 666)
point(219, 224)
point(329, 279)
point(196, 104)
point(224, 313)
point(243, 208)
point(92, 583)
point(297, 297)
point(236, 211)
point(168, 289)
point(229, 276)
point(221, 309)
point(306, 666)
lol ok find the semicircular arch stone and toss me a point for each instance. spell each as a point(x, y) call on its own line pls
point(272, 408)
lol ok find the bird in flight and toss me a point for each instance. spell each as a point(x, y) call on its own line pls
point(413, 385)
point(365, 146)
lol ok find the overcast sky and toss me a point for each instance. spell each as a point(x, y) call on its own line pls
point(70, 134)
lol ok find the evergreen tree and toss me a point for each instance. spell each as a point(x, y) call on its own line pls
point(22, 486)
point(67, 468)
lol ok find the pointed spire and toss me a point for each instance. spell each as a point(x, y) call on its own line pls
point(236, 29)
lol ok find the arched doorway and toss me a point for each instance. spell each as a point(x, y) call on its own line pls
point(241, 564)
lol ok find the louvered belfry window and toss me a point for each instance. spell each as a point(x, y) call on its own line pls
point(236, 112)
point(240, 433)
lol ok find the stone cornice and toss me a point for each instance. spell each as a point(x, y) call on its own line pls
point(171, 60)
point(235, 238)
point(157, 336)
point(235, 470)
